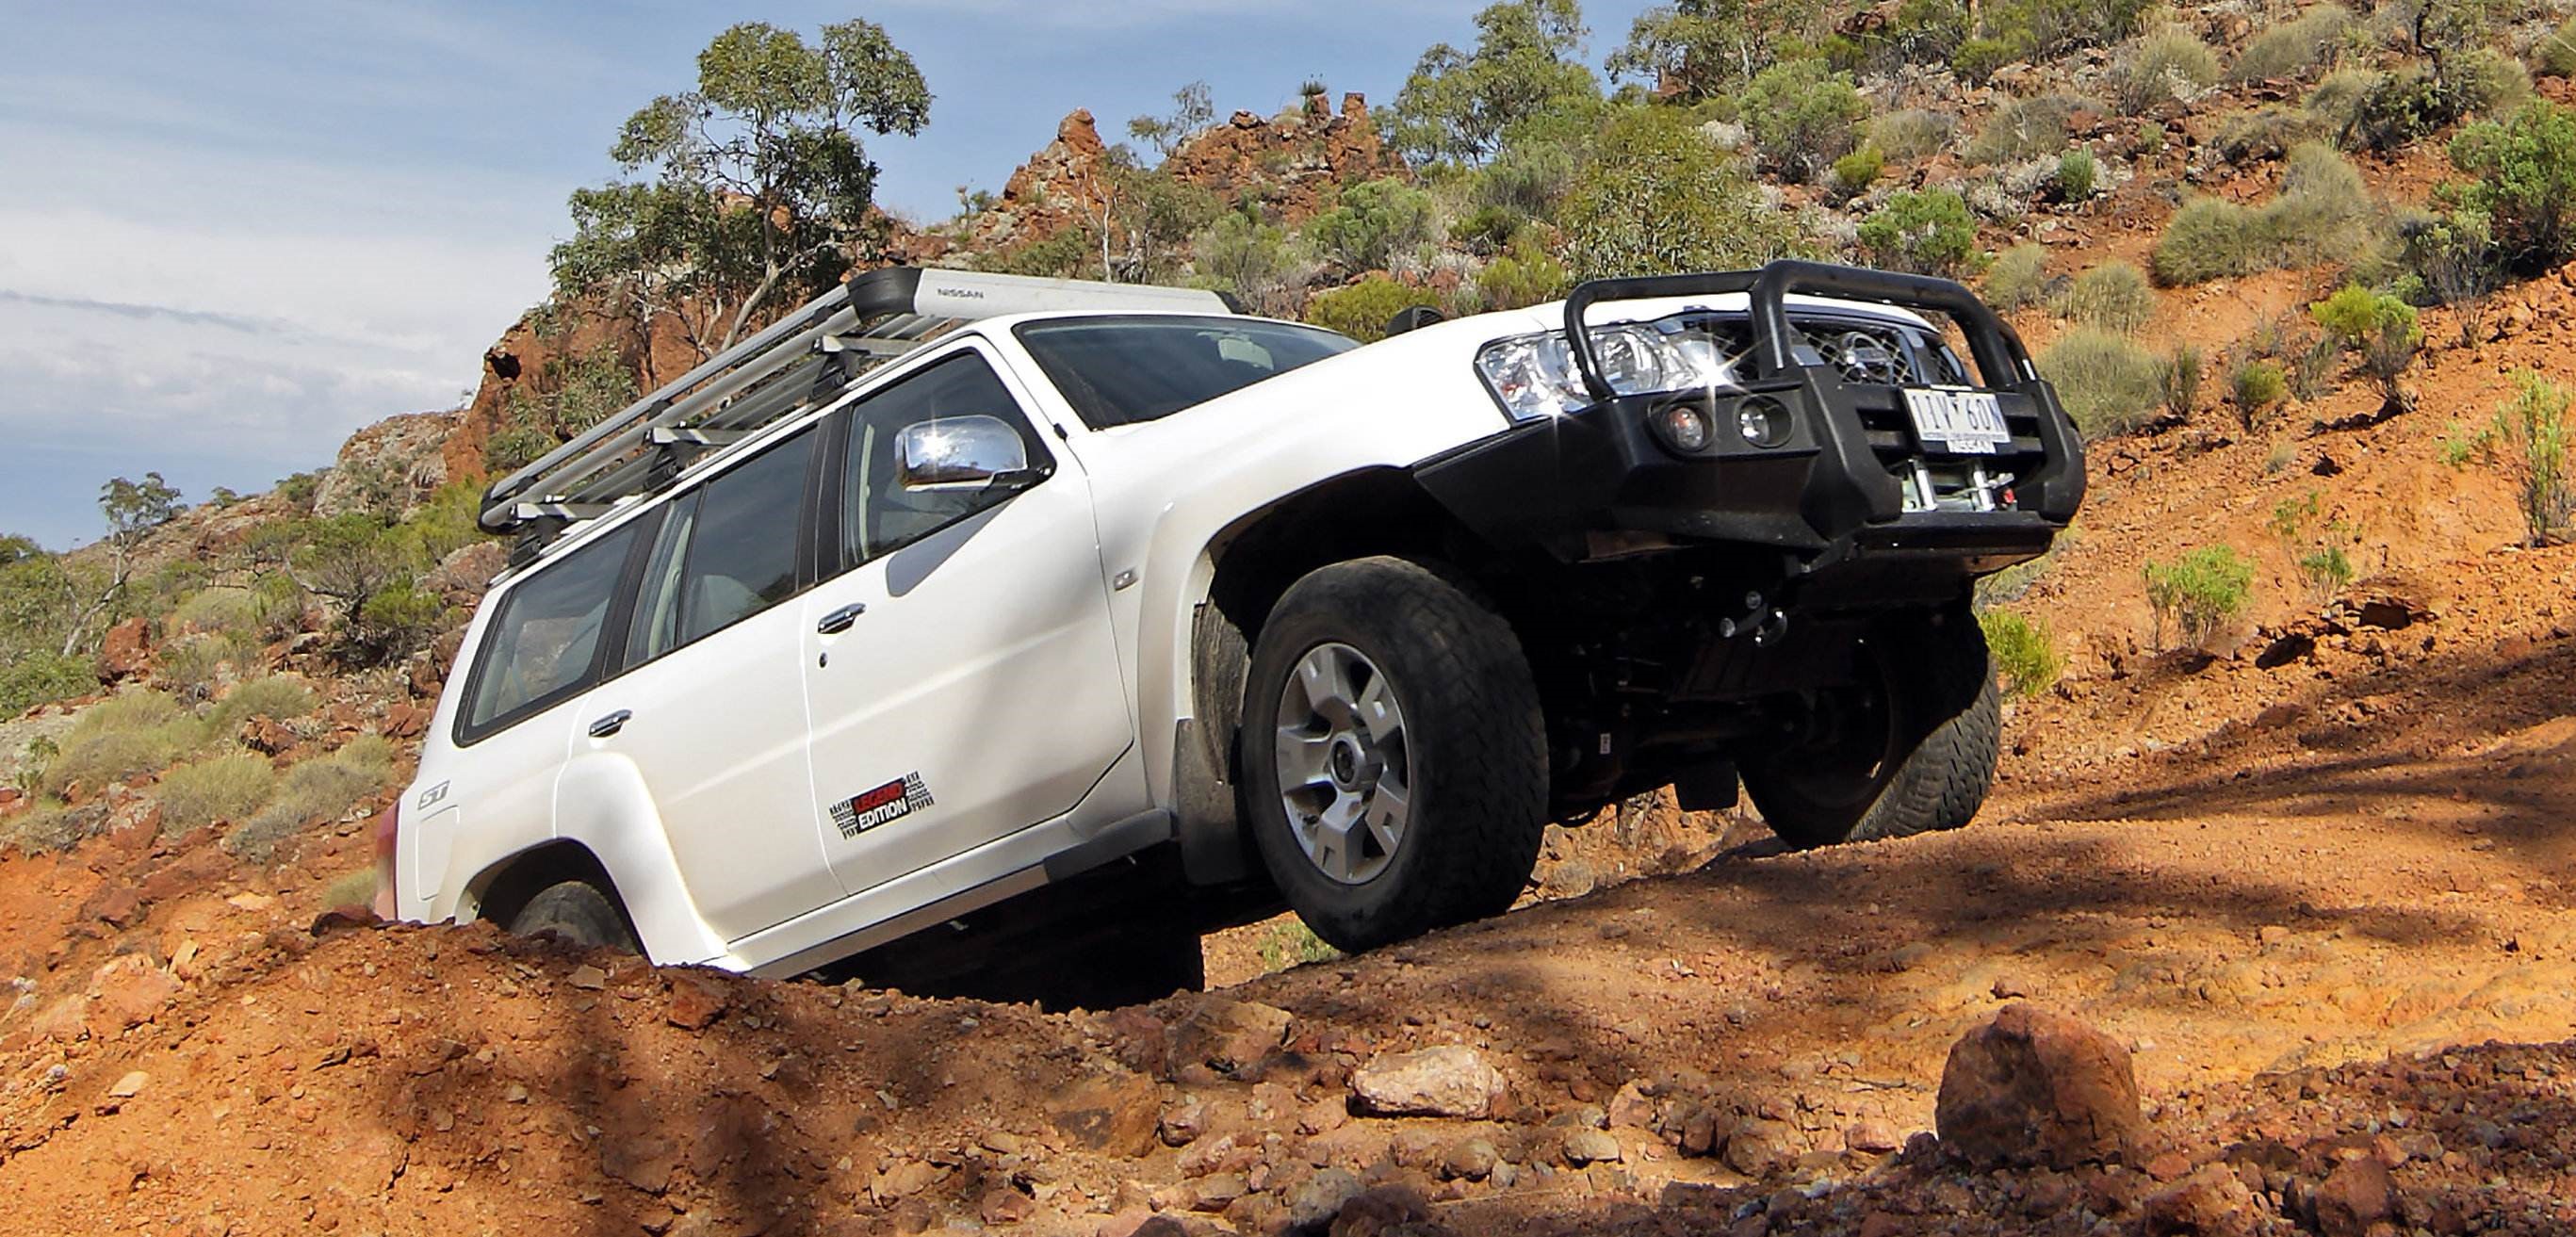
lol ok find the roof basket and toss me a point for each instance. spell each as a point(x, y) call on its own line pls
point(804, 359)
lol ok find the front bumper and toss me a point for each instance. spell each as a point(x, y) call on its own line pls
point(1599, 483)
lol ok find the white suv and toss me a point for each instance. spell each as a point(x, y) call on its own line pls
point(1176, 614)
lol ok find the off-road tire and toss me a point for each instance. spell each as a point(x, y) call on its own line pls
point(1949, 719)
point(577, 913)
point(1474, 737)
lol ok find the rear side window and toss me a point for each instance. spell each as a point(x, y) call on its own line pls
point(544, 643)
point(726, 551)
point(742, 548)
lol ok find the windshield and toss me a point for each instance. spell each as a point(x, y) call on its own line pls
point(1127, 370)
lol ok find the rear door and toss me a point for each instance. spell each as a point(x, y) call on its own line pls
point(960, 671)
point(546, 642)
point(711, 706)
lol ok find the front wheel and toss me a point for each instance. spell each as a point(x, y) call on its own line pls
point(1394, 753)
point(1909, 749)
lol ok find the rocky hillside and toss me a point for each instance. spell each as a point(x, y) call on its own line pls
point(2275, 879)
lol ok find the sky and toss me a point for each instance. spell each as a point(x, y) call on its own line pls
point(233, 231)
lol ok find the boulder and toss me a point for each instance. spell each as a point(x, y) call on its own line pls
point(2033, 1087)
point(126, 650)
point(1448, 1081)
point(1115, 1114)
point(1386, 1211)
point(2212, 1202)
point(2354, 1198)
point(1320, 1198)
point(1225, 1035)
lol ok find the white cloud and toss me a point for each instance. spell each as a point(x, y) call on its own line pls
point(246, 306)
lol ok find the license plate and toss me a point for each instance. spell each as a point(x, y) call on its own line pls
point(1958, 422)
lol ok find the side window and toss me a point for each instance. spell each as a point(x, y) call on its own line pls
point(879, 516)
point(655, 629)
point(738, 554)
point(543, 644)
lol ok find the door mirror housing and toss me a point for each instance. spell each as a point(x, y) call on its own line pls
point(958, 453)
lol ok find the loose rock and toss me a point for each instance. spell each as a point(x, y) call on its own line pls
point(1447, 1081)
point(2034, 1087)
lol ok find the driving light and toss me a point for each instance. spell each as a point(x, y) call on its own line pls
point(1763, 421)
point(1535, 376)
point(1683, 426)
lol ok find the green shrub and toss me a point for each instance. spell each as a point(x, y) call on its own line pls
point(2264, 133)
point(2532, 425)
point(2292, 49)
point(1660, 197)
point(221, 610)
point(2075, 174)
point(2489, 81)
point(1289, 942)
point(2178, 380)
point(2336, 100)
point(2256, 388)
point(2024, 129)
point(2114, 296)
point(2452, 256)
point(2323, 213)
point(314, 792)
point(2019, 277)
point(2162, 66)
point(2049, 28)
point(193, 665)
point(2377, 327)
point(2024, 653)
point(1536, 168)
point(132, 733)
point(2326, 572)
point(2525, 186)
point(1253, 260)
point(1914, 133)
point(52, 826)
point(2107, 383)
point(41, 676)
point(1362, 310)
point(1927, 231)
point(1374, 221)
point(1487, 230)
point(218, 788)
point(399, 621)
point(1978, 58)
point(1802, 116)
point(356, 888)
point(2556, 54)
point(1859, 169)
point(2402, 106)
point(1522, 278)
point(280, 697)
point(2199, 593)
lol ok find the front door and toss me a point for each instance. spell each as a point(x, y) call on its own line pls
point(960, 673)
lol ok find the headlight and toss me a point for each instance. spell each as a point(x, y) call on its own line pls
point(1534, 376)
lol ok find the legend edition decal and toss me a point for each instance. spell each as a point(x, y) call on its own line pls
point(892, 801)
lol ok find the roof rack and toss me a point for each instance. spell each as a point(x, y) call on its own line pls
point(804, 359)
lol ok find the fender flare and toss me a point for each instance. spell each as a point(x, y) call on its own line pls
point(603, 810)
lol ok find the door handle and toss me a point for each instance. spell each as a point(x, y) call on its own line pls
point(839, 621)
point(611, 724)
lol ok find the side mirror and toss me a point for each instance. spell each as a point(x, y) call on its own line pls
point(957, 453)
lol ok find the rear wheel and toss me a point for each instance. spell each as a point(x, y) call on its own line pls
point(1910, 749)
point(577, 913)
point(1394, 754)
